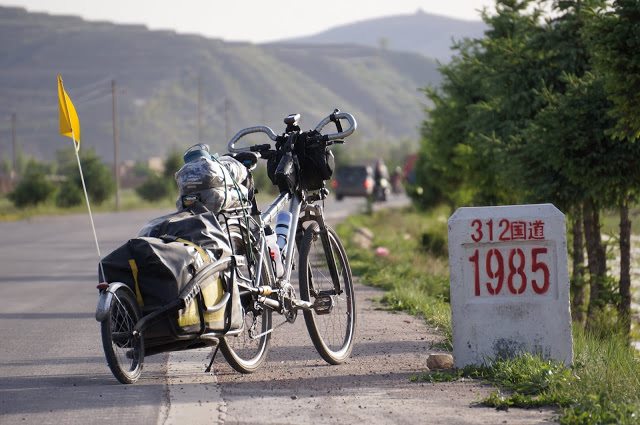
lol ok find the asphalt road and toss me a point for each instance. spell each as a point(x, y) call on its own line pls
point(52, 368)
point(53, 371)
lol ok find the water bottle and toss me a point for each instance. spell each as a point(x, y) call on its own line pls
point(283, 221)
point(274, 253)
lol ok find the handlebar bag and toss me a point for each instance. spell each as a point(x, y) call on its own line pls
point(286, 175)
point(316, 161)
point(272, 166)
point(316, 164)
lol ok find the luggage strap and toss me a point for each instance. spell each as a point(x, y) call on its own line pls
point(204, 254)
point(134, 272)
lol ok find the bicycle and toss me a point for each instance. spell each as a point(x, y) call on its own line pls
point(299, 164)
point(325, 281)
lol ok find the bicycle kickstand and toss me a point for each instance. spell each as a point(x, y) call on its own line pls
point(213, 357)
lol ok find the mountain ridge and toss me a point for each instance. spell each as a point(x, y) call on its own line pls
point(158, 75)
point(428, 34)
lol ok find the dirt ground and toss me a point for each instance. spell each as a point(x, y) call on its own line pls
point(295, 386)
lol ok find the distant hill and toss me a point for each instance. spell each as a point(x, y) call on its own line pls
point(429, 35)
point(158, 73)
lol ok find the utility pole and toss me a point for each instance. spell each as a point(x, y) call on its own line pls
point(116, 169)
point(379, 124)
point(227, 105)
point(199, 108)
point(14, 145)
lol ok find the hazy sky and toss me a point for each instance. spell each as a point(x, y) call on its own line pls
point(248, 20)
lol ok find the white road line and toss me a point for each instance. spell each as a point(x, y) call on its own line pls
point(195, 397)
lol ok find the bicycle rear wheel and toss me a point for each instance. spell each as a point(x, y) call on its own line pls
point(332, 327)
point(247, 351)
point(124, 352)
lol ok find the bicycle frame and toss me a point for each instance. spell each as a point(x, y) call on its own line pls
point(310, 212)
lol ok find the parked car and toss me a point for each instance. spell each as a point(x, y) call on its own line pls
point(353, 180)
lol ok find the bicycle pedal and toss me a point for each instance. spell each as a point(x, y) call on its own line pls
point(323, 304)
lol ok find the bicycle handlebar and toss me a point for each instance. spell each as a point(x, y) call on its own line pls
point(336, 116)
point(250, 130)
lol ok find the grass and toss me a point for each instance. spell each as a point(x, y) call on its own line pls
point(419, 287)
point(602, 386)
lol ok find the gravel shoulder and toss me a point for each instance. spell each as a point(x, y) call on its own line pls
point(295, 386)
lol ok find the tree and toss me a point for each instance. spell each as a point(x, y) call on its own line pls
point(488, 95)
point(523, 116)
point(595, 170)
point(614, 38)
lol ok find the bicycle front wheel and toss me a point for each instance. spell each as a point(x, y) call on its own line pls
point(326, 281)
point(123, 350)
point(246, 351)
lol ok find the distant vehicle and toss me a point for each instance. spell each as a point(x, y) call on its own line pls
point(353, 180)
point(409, 169)
point(381, 190)
point(381, 185)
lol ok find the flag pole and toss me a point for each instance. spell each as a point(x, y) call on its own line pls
point(76, 148)
point(69, 122)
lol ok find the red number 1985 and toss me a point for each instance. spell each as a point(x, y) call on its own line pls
point(512, 267)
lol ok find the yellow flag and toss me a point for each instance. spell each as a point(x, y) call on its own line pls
point(69, 122)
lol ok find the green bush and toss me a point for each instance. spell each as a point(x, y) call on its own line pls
point(98, 177)
point(69, 195)
point(156, 188)
point(99, 180)
point(33, 189)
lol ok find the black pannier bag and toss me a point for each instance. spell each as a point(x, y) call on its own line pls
point(154, 269)
point(157, 268)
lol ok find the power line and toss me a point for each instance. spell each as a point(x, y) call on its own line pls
point(88, 102)
point(104, 81)
point(96, 92)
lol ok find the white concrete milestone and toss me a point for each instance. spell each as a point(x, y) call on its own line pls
point(509, 283)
